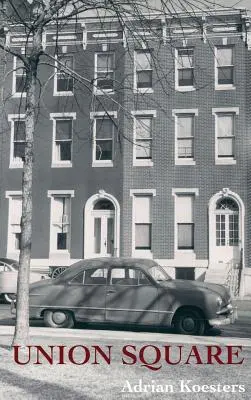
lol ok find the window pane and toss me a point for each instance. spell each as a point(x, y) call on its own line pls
point(104, 128)
point(110, 235)
point(19, 130)
point(185, 236)
point(225, 56)
point(19, 150)
point(185, 148)
point(226, 75)
point(143, 236)
point(61, 241)
point(64, 151)
point(64, 83)
point(21, 84)
point(186, 77)
point(143, 209)
point(97, 235)
point(185, 126)
point(63, 129)
point(143, 60)
point(184, 208)
point(105, 62)
point(143, 128)
point(105, 81)
point(103, 149)
point(144, 79)
point(225, 147)
point(144, 149)
point(185, 58)
point(225, 125)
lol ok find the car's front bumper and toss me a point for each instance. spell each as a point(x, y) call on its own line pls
point(223, 319)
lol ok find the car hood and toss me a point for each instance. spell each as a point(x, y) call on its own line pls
point(187, 285)
point(40, 283)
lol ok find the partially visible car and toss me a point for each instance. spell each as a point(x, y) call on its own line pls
point(8, 278)
point(129, 291)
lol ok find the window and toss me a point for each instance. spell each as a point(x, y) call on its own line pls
point(184, 68)
point(143, 70)
point(93, 276)
point(60, 222)
point(143, 139)
point(62, 139)
point(104, 72)
point(225, 135)
point(185, 136)
point(143, 222)
point(19, 78)
point(128, 277)
point(63, 81)
point(104, 128)
point(224, 66)
point(14, 229)
point(184, 220)
point(17, 140)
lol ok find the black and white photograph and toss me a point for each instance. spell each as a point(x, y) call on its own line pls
point(125, 182)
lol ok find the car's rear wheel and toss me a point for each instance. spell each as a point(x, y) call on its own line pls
point(57, 272)
point(189, 322)
point(58, 319)
point(8, 297)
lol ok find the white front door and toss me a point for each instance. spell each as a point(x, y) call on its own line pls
point(103, 233)
point(227, 236)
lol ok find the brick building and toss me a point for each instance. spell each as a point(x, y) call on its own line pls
point(143, 152)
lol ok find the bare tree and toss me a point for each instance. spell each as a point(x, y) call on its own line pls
point(34, 17)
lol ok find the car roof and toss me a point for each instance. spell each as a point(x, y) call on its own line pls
point(8, 260)
point(125, 262)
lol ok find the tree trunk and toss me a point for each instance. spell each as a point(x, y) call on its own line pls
point(21, 335)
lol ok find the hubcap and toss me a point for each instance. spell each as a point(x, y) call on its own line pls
point(59, 317)
point(188, 324)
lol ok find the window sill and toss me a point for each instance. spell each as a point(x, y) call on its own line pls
point(185, 88)
point(225, 87)
point(63, 94)
point(16, 165)
point(226, 161)
point(61, 165)
point(143, 90)
point(19, 94)
point(98, 92)
point(142, 163)
point(102, 164)
point(185, 162)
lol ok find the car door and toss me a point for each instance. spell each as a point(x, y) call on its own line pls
point(131, 297)
point(86, 294)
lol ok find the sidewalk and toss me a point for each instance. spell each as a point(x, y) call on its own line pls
point(244, 306)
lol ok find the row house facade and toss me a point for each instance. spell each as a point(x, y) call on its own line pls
point(143, 151)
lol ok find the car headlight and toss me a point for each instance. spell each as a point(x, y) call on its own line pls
point(219, 301)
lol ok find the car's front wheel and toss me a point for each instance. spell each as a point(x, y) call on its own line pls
point(8, 297)
point(58, 319)
point(189, 322)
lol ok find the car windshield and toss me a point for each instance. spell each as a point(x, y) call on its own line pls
point(159, 274)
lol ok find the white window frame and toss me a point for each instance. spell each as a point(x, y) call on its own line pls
point(176, 192)
point(230, 86)
point(54, 117)
point(94, 116)
point(12, 118)
point(179, 88)
point(56, 73)
point(140, 192)
point(175, 114)
point(136, 89)
point(53, 230)
point(14, 81)
point(96, 90)
point(216, 112)
point(137, 114)
point(12, 252)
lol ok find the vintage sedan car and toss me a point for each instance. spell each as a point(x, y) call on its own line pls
point(128, 291)
point(8, 278)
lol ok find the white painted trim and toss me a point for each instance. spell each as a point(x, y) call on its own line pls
point(102, 164)
point(178, 88)
point(216, 113)
point(143, 191)
point(14, 93)
point(107, 114)
point(211, 212)
point(55, 163)
point(88, 240)
point(15, 117)
point(230, 86)
point(55, 92)
point(176, 111)
point(12, 118)
point(194, 191)
point(219, 110)
point(135, 88)
point(96, 90)
point(136, 114)
point(72, 115)
point(12, 193)
point(51, 193)
point(152, 113)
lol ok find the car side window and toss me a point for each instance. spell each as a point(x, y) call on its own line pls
point(92, 276)
point(128, 277)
